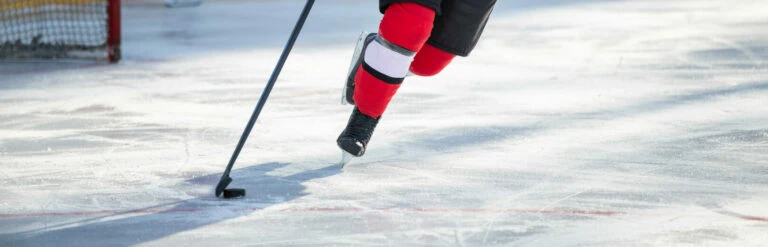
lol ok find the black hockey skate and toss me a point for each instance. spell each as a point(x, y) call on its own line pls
point(357, 59)
point(354, 139)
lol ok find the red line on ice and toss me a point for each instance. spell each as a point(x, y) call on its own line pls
point(753, 218)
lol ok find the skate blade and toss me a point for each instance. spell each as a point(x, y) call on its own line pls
point(344, 96)
point(346, 158)
point(355, 56)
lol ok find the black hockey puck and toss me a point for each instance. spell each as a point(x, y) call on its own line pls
point(233, 193)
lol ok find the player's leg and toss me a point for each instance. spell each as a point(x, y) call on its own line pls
point(404, 29)
point(430, 61)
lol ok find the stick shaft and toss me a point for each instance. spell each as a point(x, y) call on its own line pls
point(270, 85)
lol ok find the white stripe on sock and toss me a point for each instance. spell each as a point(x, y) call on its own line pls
point(386, 61)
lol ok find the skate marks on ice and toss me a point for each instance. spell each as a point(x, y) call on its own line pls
point(482, 136)
point(86, 128)
point(514, 181)
point(129, 227)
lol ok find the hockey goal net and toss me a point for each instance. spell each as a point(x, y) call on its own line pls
point(60, 29)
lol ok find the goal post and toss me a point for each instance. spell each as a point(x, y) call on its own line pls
point(113, 34)
point(53, 29)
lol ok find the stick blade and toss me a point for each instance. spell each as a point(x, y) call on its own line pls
point(222, 186)
point(234, 193)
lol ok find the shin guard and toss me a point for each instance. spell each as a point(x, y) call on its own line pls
point(403, 31)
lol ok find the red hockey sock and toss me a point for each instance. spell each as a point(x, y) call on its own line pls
point(407, 25)
point(402, 32)
point(430, 61)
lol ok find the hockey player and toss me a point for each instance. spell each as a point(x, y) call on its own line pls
point(420, 36)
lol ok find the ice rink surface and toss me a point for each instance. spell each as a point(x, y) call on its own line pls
point(574, 123)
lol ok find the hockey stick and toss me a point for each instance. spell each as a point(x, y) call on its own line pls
point(225, 179)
